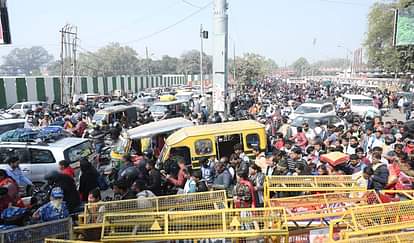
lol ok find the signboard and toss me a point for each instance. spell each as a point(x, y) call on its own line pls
point(404, 27)
point(319, 235)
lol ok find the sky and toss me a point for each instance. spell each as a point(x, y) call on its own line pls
point(283, 30)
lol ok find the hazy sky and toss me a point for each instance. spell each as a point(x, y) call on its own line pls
point(281, 29)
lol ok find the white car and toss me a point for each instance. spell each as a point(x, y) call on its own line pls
point(326, 108)
point(38, 159)
point(21, 108)
point(310, 119)
point(361, 104)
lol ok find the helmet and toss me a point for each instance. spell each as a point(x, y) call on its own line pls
point(129, 174)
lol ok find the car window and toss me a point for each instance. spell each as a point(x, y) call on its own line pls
point(6, 152)
point(326, 109)
point(203, 146)
point(39, 156)
point(252, 140)
point(9, 127)
point(27, 106)
point(79, 151)
point(334, 119)
point(17, 106)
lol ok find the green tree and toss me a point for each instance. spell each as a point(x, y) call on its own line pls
point(26, 61)
point(301, 66)
point(379, 39)
point(252, 67)
point(189, 63)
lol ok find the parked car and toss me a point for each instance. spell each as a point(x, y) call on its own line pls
point(313, 107)
point(10, 124)
point(22, 107)
point(360, 104)
point(37, 159)
point(325, 119)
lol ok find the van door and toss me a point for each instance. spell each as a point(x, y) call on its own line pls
point(42, 162)
point(225, 144)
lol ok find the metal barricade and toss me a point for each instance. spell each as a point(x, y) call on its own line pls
point(196, 225)
point(93, 212)
point(374, 219)
point(321, 208)
point(337, 183)
point(36, 233)
point(67, 241)
point(404, 237)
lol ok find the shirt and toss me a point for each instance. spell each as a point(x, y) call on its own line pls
point(49, 212)
point(18, 176)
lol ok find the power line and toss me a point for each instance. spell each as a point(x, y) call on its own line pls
point(191, 4)
point(169, 26)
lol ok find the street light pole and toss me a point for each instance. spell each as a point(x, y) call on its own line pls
point(201, 60)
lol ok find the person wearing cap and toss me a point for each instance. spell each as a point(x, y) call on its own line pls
point(53, 210)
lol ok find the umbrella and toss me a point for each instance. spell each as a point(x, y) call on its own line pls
point(334, 158)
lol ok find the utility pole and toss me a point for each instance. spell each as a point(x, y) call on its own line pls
point(68, 47)
point(220, 57)
point(203, 35)
point(201, 60)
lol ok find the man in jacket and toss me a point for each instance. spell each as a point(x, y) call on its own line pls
point(223, 179)
point(154, 178)
point(379, 179)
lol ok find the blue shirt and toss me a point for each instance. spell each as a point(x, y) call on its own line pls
point(18, 176)
point(49, 213)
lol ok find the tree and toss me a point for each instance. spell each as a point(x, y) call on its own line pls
point(381, 53)
point(189, 63)
point(301, 66)
point(25, 61)
point(252, 67)
point(110, 60)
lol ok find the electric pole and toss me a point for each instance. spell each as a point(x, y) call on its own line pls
point(203, 35)
point(68, 48)
point(220, 57)
point(148, 66)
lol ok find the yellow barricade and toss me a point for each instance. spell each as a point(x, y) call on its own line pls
point(405, 237)
point(67, 241)
point(93, 212)
point(204, 224)
point(304, 210)
point(375, 219)
point(335, 183)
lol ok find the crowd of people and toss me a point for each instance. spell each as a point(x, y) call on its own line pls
point(380, 154)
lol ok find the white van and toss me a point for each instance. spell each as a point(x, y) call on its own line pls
point(360, 104)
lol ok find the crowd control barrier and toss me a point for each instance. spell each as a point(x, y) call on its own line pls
point(196, 225)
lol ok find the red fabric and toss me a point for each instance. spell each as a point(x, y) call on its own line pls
point(69, 171)
point(11, 185)
point(409, 148)
point(240, 204)
point(180, 181)
point(5, 201)
point(300, 140)
point(279, 144)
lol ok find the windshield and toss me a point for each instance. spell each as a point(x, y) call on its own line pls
point(362, 102)
point(99, 117)
point(158, 108)
point(298, 121)
point(307, 109)
point(121, 145)
point(75, 153)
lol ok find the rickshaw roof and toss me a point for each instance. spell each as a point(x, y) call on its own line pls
point(158, 127)
point(218, 128)
point(166, 103)
point(116, 108)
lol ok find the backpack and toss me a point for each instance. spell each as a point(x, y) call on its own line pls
point(243, 192)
